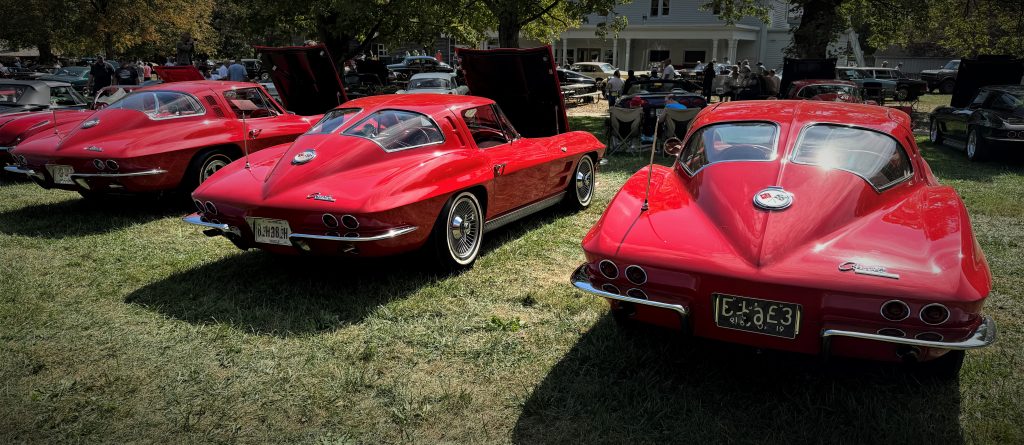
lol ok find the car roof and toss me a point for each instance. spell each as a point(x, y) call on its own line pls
point(806, 82)
point(424, 103)
point(432, 75)
point(199, 86)
point(799, 113)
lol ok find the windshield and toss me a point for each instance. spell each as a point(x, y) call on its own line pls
point(654, 87)
point(160, 104)
point(73, 71)
point(876, 157)
point(65, 96)
point(847, 74)
point(952, 65)
point(734, 141)
point(607, 67)
point(333, 120)
point(429, 83)
point(830, 92)
point(11, 94)
point(396, 129)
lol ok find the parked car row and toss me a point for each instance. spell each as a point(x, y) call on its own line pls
point(812, 226)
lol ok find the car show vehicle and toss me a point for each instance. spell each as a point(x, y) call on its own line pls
point(826, 90)
point(653, 94)
point(347, 187)
point(942, 79)
point(893, 83)
point(986, 111)
point(21, 96)
point(434, 83)
point(802, 226)
point(77, 76)
point(173, 136)
point(418, 64)
point(577, 87)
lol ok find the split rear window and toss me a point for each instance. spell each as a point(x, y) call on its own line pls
point(876, 157)
point(733, 141)
point(397, 130)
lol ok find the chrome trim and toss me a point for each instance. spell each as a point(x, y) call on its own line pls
point(329, 220)
point(900, 331)
point(198, 220)
point(112, 164)
point(23, 171)
point(581, 281)
point(616, 266)
point(920, 317)
point(6, 149)
point(349, 227)
point(523, 212)
point(155, 171)
point(640, 283)
point(881, 309)
point(983, 336)
point(910, 161)
point(941, 337)
point(99, 164)
point(393, 233)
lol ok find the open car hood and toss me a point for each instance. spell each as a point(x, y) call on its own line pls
point(305, 78)
point(523, 82)
point(181, 73)
point(802, 69)
point(982, 72)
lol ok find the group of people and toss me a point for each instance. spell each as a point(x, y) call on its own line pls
point(232, 70)
point(103, 74)
point(742, 82)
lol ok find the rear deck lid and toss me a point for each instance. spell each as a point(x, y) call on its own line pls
point(305, 77)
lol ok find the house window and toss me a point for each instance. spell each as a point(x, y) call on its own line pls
point(659, 7)
point(381, 50)
point(657, 55)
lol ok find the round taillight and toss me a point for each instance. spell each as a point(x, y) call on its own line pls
point(636, 293)
point(608, 269)
point(610, 288)
point(211, 208)
point(895, 310)
point(929, 336)
point(636, 102)
point(199, 206)
point(98, 163)
point(892, 332)
point(636, 275)
point(934, 314)
point(350, 222)
point(329, 220)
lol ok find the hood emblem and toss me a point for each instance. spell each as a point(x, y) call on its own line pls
point(875, 271)
point(773, 198)
point(93, 148)
point(304, 157)
point(316, 196)
point(90, 123)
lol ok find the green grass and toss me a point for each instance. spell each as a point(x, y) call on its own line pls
point(121, 324)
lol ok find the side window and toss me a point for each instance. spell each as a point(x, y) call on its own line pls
point(883, 74)
point(979, 99)
point(877, 158)
point(63, 96)
point(241, 98)
point(397, 130)
point(485, 126)
point(1005, 102)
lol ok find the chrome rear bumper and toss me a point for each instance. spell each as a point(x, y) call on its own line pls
point(581, 280)
point(393, 233)
point(19, 170)
point(155, 171)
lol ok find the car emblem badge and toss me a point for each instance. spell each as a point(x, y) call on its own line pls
point(316, 196)
point(304, 157)
point(876, 271)
point(90, 123)
point(93, 148)
point(773, 198)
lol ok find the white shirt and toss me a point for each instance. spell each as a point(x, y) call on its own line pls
point(222, 72)
point(669, 72)
point(615, 85)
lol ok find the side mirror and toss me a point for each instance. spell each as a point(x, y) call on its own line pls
point(673, 147)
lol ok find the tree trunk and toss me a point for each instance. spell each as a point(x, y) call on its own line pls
point(45, 51)
point(508, 31)
point(108, 45)
point(818, 27)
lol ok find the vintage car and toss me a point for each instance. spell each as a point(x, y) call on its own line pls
point(434, 83)
point(418, 64)
point(383, 175)
point(943, 79)
point(810, 227)
point(986, 110)
point(173, 136)
point(825, 90)
point(600, 71)
point(77, 76)
point(653, 94)
point(21, 96)
point(894, 84)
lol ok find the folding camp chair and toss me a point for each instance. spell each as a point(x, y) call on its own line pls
point(676, 121)
point(873, 91)
point(623, 128)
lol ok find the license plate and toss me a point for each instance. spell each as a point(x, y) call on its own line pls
point(758, 316)
point(61, 174)
point(271, 231)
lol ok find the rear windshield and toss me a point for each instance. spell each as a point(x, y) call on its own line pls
point(11, 94)
point(397, 129)
point(829, 92)
point(429, 83)
point(160, 104)
point(876, 157)
point(735, 141)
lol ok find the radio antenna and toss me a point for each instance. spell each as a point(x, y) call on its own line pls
point(650, 166)
point(245, 107)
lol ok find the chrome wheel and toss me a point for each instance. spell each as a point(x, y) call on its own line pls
point(585, 181)
point(211, 166)
point(933, 135)
point(972, 144)
point(464, 227)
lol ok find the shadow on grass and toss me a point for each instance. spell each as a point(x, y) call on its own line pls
point(80, 217)
point(948, 161)
point(645, 385)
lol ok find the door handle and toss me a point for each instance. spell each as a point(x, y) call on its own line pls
point(255, 133)
point(499, 169)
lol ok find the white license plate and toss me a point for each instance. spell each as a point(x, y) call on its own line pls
point(61, 174)
point(271, 231)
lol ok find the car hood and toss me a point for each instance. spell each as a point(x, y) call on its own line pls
point(178, 73)
point(984, 71)
point(803, 69)
point(429, 91)
point(117, 131)
point(305, 77)
point(523, 82)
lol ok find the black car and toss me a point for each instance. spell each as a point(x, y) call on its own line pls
point(17, 96)
point(943, 78)
point(652, 95)
point(254, 68)
point(418, 64)
point(993, 119)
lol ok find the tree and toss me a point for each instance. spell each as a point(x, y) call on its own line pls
point(545, 18)
point(40, 24)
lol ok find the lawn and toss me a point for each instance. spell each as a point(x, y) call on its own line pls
point(119, 323)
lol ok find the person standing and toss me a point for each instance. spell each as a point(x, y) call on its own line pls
point(99, 75)
point(774, 83)
point(237, 72)
point(222, 72)
point(186, 47)
point(669, 72)
point(140, 71)
point(614, 88)
point(709, 80)
point(147, 71)
point(126, 75)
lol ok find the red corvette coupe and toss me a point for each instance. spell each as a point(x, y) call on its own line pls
point(803, 226)
point(175, 135)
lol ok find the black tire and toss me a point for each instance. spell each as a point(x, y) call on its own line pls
point(458, 232)
point(946, 87)
point(976, 147)
point(946, 367)
point(203, 166)
point(582, 184)
point(935, 133)
point(902, 94)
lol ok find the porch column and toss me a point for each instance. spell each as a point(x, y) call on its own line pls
point(732, 51)
point(714, 49)
point(565, 46)
point(615, 51)
point(629, 43)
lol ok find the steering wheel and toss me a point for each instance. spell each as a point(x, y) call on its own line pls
point(746, 152)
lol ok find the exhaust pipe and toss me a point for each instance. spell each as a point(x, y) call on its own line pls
point(907, 353)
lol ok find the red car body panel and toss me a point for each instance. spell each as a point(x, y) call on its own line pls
point(388, 190)
point(138, 143)
point(703, 235)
